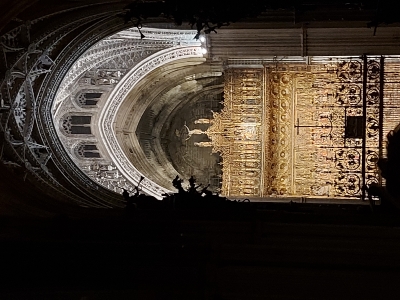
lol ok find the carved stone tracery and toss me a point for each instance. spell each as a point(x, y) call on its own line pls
point(113, 66)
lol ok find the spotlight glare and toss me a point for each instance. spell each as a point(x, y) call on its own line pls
point(202, 39)
point(203, 50)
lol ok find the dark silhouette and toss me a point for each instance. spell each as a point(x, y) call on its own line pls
point(183, 199)
point(390, 170)
point(125, 194)
point(203, 199)
point(192, 185)
point(132, 201)
point(206, 191)
point(205, 16)
point(177, 183)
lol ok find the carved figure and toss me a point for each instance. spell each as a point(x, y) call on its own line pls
point(193, 131)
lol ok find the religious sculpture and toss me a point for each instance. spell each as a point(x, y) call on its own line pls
point(193, 131)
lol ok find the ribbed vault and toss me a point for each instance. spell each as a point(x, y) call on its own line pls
point(145, 122)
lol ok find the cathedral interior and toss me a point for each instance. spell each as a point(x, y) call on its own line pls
point(289, 107)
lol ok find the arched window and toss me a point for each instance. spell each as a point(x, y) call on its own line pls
point(88, 151)
point(77, 125)
point(88, 99)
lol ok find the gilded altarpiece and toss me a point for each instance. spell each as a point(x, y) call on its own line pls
point(338, 110)
point(300, 130)
point(237, 132)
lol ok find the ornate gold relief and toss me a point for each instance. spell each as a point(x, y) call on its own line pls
point(295, 130)
point(236, 132)
point(278, 144)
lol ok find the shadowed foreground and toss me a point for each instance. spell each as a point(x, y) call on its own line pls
point(51, 250)
point(307, 252)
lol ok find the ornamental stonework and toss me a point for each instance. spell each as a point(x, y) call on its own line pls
point(112, 68)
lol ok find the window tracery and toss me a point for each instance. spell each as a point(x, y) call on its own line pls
point(88, 99)
point(77, 125)
point(85, 151)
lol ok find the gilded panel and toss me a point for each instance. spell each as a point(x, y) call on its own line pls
point(278, 146)
point(336, 140)
point(236, 132)
point(300, 130)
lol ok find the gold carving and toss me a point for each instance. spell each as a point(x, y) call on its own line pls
point(278, 147)
point(282, 132)
point(236, 133)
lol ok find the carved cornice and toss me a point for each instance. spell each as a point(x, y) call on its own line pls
point(185, 37)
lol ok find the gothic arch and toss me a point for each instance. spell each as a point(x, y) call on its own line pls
point(74, 125)
point(87, 151)
point(88, 98)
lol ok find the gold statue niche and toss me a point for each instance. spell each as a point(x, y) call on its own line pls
point(236, 133)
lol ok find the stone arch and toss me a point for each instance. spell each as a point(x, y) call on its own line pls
point(87, 150)
point(76, 125)
point(88, 98)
